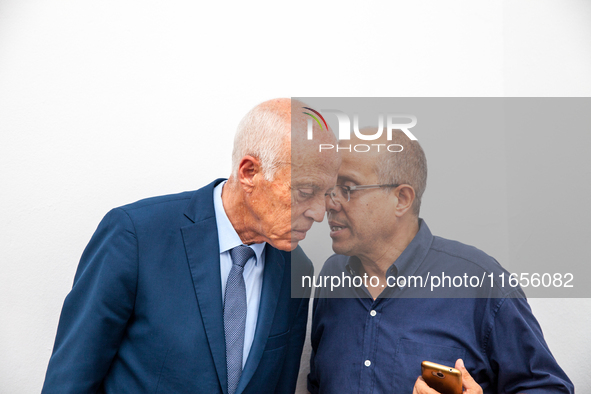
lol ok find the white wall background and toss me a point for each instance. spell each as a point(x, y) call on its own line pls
point(103, 103)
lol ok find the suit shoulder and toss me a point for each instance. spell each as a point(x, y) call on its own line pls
point(154, 202)
point(155, 212)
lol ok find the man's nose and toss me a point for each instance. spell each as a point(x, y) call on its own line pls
point(330, 205)
point(316, 211)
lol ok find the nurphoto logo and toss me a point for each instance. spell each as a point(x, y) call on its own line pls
point(344, 129)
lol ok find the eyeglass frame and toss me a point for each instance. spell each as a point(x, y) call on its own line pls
point(350, 189)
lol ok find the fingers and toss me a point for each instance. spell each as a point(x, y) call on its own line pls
point(470, 385)
point(421, 387)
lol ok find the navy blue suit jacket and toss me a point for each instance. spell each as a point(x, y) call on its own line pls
point(145, 312)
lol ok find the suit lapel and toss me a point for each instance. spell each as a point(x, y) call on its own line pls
point(272, 280)
point(202, 249)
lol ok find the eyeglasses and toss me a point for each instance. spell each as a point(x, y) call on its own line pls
point(342, 193)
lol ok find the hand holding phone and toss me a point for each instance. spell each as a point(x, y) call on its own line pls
point(470, 385)
point(444, 379)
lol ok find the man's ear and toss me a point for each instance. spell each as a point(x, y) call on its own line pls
point(406, 196)
point(248, 168)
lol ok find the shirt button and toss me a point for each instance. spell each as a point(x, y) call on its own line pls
point(367, 363)
point(373, 313)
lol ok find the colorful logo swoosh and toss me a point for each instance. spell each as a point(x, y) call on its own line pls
point(315, 118)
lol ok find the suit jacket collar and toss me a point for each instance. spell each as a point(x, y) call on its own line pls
point(201, 205)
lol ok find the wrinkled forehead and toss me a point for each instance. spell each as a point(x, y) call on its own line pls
point(357, 167)
point(328, 165)
point(306, 155)
point(314, 168)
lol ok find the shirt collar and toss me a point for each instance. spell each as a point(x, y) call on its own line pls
point(409, 260)
point(228, 238)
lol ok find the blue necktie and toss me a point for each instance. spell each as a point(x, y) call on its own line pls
point(235, 315)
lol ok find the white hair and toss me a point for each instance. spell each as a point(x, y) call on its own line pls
point(261, 134)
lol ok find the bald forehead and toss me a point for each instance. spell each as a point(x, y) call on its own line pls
point(359, 161)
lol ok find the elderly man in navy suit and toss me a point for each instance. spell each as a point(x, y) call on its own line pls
point(191, 293)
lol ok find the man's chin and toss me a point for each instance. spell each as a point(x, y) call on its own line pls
point(340, 248)
point(284, 245)
point(296, 240)
point(297, 236)
point(294, 244)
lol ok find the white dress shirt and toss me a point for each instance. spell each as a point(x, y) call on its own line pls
point(253, 269)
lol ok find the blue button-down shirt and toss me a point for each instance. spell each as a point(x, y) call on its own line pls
point(253, 269)
point(366, 346)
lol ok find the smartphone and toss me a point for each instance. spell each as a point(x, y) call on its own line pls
point(446, 380)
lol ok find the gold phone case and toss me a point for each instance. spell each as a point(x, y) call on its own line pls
point(446, 380)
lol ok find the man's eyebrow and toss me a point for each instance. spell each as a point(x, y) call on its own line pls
point(310, 185)
point(346, 178)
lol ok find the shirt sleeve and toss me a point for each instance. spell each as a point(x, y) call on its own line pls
point(97, 309)
point(519, 354)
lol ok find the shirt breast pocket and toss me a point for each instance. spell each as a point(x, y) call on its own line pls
point(410, 354)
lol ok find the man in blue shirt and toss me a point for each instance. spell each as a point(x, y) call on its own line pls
point(405, 296)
